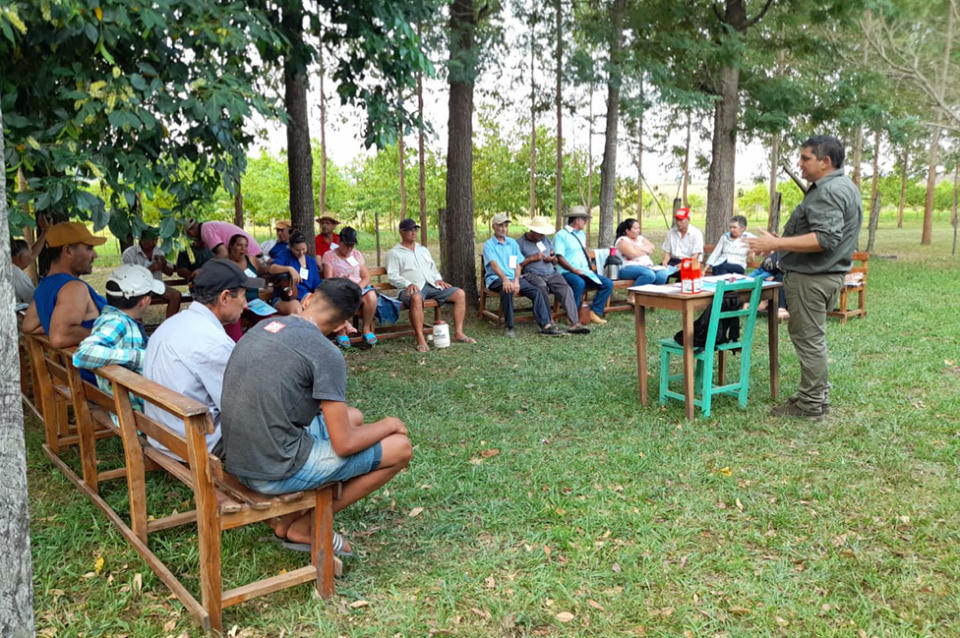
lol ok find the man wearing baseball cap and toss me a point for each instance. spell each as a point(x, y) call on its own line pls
point(683, 240)
point(189, 351)
point(118, 336)
point(64, 306)
point(145, 253)
point(412, 271)
point(273, 247)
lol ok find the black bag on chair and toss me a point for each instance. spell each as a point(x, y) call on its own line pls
point(727, 331)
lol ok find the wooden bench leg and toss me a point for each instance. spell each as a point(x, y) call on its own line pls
point(323, 559)
point(208, 527)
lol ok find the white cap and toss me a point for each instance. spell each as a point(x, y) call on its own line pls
point(133, 281)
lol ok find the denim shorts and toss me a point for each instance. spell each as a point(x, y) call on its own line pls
point(322, 466)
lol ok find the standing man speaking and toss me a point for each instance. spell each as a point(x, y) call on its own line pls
point(815, 253)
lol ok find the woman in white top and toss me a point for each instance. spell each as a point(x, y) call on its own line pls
point(635, 250)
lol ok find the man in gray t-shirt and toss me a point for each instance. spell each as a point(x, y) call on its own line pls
point(538, 269)
point(815, 253)
point(291, 429)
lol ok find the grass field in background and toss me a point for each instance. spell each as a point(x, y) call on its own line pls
point(542, 500)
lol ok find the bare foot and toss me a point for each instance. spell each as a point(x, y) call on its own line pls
point(463, 338)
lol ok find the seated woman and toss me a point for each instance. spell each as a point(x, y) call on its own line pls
point(237, 253)
point(731, 253)
point(347, 262)
point(635, 250)
point(302, 270)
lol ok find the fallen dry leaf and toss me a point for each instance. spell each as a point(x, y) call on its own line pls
point(738, 610)
point(170, 624)
point(595, 604)
point(616, 567)
point(357, 604)
point(490, 582)
point(725, 471)
point(739, 505)
point(416, 511)
point(489, 453)
point(564, 616)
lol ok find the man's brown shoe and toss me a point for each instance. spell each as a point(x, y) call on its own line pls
point(792, 409)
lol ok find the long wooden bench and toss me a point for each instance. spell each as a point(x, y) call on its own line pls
point(378, 279)
point(221, 501)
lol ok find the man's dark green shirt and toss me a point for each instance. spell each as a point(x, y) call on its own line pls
point(832, 209)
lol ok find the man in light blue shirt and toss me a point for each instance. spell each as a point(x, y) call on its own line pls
point(501, 261)
point(571, 246)
point(188, 353)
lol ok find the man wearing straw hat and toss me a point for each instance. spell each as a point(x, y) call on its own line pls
point(571, 243)
point(539, 269)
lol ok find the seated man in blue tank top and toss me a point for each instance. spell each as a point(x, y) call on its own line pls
point(64, 306)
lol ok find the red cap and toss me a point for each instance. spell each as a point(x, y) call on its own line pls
point(682, 213)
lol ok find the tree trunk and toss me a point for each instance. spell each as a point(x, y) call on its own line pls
point(558, 99)
point(875, 180)
point(16, 590)
point(28, 234)
point(956, 193)
point(640, 166)
point(460, 264)
point(299, 158)
point(686, 162)
point(932, 155)
point(238, 207)
point(403, 177)
point(421, 155)
point(608, 168)
point(323, 147)
point(773, 224)
point(857, 155)
point(774, 171)
point(903, 186)
point(589, 151)
point(720, 189)
point(533, 123)
point(874, 221)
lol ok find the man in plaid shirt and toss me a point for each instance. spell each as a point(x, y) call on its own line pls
point(117, 336)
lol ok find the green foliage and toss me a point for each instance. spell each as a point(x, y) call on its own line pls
point(141, 98)
point(758, 199)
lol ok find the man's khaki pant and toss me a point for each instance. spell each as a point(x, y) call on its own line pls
point(809, 298)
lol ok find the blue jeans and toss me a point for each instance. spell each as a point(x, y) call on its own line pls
point(726, 268)
point(643, 275)
point(579, 283)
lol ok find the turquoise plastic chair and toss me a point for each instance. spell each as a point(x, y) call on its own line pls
point(704, 357)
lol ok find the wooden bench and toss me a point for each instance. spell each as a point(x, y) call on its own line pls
point(521, 313)
point(378, 279)
point(856, 282)
point(221, 501)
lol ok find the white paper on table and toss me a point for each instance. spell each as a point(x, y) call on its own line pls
point(656, 288)
point(729, 277)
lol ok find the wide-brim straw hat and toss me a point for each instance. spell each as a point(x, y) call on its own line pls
point(542, 225)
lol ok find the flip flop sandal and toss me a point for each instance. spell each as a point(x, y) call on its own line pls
point(343, 341)
point(370, 338)
point(338, 543)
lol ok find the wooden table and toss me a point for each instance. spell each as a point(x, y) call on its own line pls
point(689, 305)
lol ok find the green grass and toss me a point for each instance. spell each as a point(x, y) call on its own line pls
point(630, 518)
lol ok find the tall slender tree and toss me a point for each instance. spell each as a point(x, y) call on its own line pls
point(608, 168)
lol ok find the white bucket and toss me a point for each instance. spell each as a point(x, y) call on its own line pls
point(441, 335)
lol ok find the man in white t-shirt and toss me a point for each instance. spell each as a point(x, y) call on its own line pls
point(144, 253)
point(683, 241)
point(731, 253)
